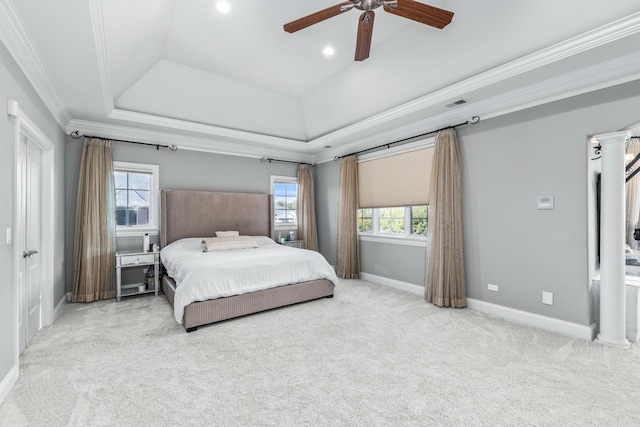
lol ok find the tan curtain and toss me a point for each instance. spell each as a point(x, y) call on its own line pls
point(633, 198)
point(95, 228)
point(348, 263)
point(445, 281)
point(307, 209)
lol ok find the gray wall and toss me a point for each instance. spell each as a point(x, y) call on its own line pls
point(15, 86)
point(506, 163)
point(326, 193)
point(179, 170)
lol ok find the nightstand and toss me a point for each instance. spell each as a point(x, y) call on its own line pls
point(136, 259)
point(294, 243)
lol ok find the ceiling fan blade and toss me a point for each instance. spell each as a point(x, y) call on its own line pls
point(421, 12)
point(365, 31)
point(314, 18)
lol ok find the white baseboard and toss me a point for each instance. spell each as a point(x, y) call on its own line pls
point(536, 320)
point(8, 382)
point(403, 286)
point(61, 303)
point(531, 319)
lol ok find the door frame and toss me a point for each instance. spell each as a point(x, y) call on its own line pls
point(25, 126)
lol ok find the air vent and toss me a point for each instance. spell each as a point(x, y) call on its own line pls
point(456, 103)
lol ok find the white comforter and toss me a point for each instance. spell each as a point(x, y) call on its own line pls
point(201, 275)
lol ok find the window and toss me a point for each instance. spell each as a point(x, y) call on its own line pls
point(365, 220)
point(391, 220)
point(285, 201)
point(136, 188)
point(401, 222)
point(419, 220)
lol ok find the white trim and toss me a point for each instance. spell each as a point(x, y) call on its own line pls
point(24, 126)
point(418, 241)
point(154, 200)
point(280, 178)
point(59, 307)
point(536, 320)
point(17, 41)
point(69, 297)
point(392, 283)
point(218, 131)
point(610, 73)
point(8, 382)
point(400, 149)
point(206, 145)
point(531, 319)
point(591, 39)
point(102, 53)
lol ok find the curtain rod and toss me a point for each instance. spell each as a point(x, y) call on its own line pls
point(76, 135)
point(269, 159)
point(473, 121)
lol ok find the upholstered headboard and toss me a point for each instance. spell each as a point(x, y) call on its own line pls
point(187, 213)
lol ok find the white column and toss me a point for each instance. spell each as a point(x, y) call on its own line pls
point(612, 239)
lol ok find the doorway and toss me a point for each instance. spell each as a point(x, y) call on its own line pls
point(33, 230)
point(28, 231)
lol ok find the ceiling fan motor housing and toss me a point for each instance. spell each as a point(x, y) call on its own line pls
point(369, 5)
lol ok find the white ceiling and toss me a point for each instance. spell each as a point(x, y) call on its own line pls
point(179, 71)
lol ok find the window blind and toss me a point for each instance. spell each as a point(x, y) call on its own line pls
point(397, 180)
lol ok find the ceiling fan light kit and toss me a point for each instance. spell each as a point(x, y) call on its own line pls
point(419, 12)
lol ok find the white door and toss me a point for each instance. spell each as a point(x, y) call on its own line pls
point(28, 238)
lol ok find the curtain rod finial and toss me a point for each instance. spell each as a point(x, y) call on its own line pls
point(75, 135)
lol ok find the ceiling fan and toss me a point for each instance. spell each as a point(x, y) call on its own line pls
point(410, 9)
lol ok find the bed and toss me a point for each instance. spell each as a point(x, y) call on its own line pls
point(189, 216)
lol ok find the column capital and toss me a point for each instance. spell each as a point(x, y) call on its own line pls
point(613, 137)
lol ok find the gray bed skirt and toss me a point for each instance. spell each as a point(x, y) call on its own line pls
point(215, 310)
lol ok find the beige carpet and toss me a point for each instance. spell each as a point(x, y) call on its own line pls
point(370, 356)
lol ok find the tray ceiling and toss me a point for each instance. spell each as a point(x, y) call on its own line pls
point(237, 82)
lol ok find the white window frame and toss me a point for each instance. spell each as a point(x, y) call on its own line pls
point(283, 179)
point(400, 239)
point(154, 199)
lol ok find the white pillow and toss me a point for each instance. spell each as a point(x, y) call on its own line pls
point(263, 240)
point(228, 243)
point(227, 233)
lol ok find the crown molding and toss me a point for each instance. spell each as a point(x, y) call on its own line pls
point(17, 41)
point(183, 142)
point(102, 53)
point(215, 131)
point(606, 74)
point(616, 71)
point(597, 37)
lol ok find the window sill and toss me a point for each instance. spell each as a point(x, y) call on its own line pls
point(418, 241)
point(137, 232)
point(285, 227)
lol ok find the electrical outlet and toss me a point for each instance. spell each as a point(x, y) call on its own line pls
point(492, 287)
point(9, 236)
point(547, 298)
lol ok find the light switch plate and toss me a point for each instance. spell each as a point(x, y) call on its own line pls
point(9, 236)
point(545, 202)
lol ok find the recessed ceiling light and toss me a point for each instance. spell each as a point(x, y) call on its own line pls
point(328, 51)
point(223, 6)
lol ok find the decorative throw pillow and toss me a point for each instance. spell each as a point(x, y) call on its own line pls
point(227, 243)
point(227, 233)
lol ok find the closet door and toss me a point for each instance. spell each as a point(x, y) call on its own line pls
point(28, 238)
